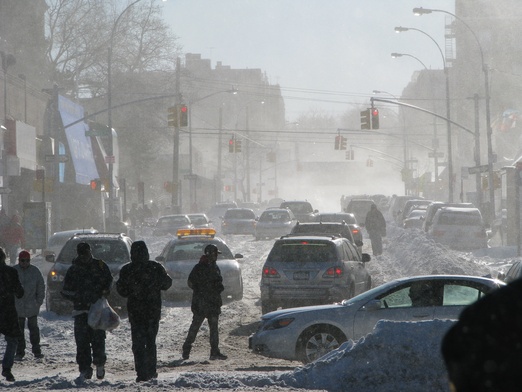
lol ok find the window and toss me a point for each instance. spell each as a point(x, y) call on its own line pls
point(456, 294)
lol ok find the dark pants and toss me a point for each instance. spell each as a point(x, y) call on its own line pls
point(88, 339)
point(143, 335)
point(10, 351)
point(34, 335)
point(376, 239)
point(197, 320)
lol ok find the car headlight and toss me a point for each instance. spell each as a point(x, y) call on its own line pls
point(278, 323)
point(56, 277)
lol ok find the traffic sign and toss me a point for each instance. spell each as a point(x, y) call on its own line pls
point(52, 158)
point(110, 159)
point(478, 169)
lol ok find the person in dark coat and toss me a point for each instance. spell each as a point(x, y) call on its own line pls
point(28, 307)
point(375, 225)
point(141, 282)
point(85, 282)
point(483, 350)
point(10, 287)
point(206, 283)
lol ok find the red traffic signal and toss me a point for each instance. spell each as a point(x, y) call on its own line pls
point(337, 142)
point(375, 118)
point(231, 146)
point(96, 184)
point(183, 116)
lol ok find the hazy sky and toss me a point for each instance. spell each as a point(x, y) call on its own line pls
point(325, 54)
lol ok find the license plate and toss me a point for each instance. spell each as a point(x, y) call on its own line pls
point(301, 275)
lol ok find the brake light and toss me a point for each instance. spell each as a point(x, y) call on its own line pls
point(304, 242)
point(333, 272)
point(270, 272)
point(355, 231)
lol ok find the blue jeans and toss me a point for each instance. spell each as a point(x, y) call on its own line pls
point(90, 344)
point(10, 351)
point(34, 335)
point(143, 335)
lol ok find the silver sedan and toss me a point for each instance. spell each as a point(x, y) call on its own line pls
point(307, 333)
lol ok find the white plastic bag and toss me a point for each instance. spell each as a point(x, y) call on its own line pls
point(102, 316)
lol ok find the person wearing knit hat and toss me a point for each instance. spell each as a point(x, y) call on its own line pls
point(28, 307)
point(141, 282)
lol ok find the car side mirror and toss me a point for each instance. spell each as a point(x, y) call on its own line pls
point(238, 256)
point(359, 243)
point(50, 258)
point(366, 257)
point(374, 304)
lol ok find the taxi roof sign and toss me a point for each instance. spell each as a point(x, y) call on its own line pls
point(193, 232)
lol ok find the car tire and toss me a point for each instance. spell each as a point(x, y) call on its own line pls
point(317, 341)
point(50, 306)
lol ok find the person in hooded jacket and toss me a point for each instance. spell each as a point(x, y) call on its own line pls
point(10, 287)
point(206, 283)
point(28, 307)
point(141, 282)
point(375, 225)
point(86, 281)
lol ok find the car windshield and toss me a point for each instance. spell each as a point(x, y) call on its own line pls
point(239, 214)
point(193, 250)
point(274, 216)
point(348, 218)
point(109, 250)
point(198, 220)
point(302, 252)
point(172, 221)
point(298, 208)
point(463, 219)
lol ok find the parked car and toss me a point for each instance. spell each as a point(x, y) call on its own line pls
point(114, 249)
point(170, 224)
point(302, 210)
point(311, 269)
point(359, 208)
point(433, 207)
point(411, 204)
point(342, 217)
point(307, 333)
point(397, 206)
point(275, 222)
point(459, 228)
point(514, 272)
point(238, 221)
point(415, 219)
point(217, 211)
point(200, 221)
point(182, 253)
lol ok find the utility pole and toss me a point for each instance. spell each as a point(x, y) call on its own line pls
point(218, 174)
point(247, 156)
point(175, 152)
point(477, 151)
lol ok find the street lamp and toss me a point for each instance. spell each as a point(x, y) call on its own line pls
point(401, 29)
point(422, 11)
point(110, 150)
point(397, 55)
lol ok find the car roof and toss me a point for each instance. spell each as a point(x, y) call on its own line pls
point(309, 237)
point(75, 231)
point(101, 235)
point(460, 209)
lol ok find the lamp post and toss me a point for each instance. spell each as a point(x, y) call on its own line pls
point(448, 108)
point(110, 151)
point(397, 55)
point(422, 11)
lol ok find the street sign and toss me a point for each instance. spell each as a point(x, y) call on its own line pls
point(478, 169)
point(436, 155)
point(190, 176)
point(4, 191)
point(110, 159)
point(52, 158)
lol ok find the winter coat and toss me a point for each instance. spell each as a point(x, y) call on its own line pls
point(10, 287)
point(86, 282)
point(141, 282)
point(206, 283)
point(375, 222)
point(34, 291)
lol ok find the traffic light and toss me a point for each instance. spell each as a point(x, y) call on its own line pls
point(183, 115)
point(342, 146)
point(366, 119)
point(172, 116)
point(96, 184)
point(231, 147)
point(375, 118)
point(238, 145)
point(337, 142)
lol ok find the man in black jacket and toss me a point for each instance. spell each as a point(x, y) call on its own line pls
point(141, 281)
point(375, 225)
point(206, 283)
point(85, 282)
point(10, 287)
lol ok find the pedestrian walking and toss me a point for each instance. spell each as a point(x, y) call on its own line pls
point(375, 225)
point(141, 282)
point(10, 287)
point(28, 307)
point(86, 281)
point(14, 237)
point(206, 283)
